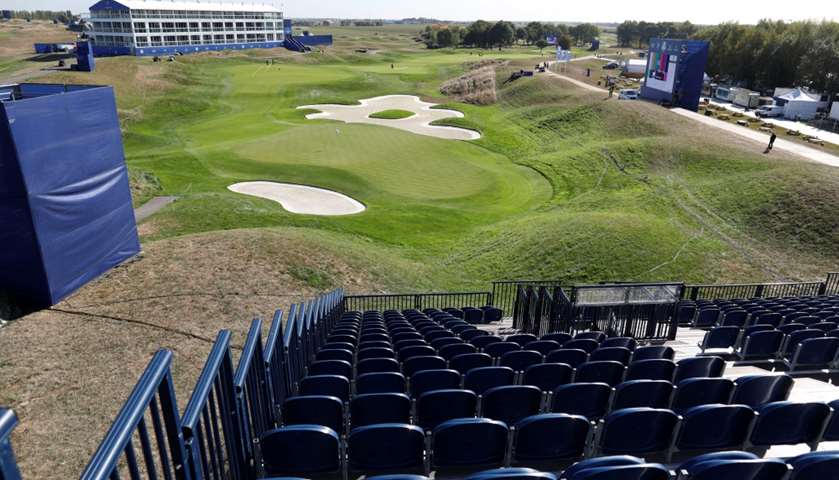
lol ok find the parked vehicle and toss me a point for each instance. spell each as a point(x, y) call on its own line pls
point(628, 94)
point(770, 111)
point(611, 66)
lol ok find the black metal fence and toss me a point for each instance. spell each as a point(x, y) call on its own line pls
point(417, 300)
point(831, 286)
point(504, 292)
point(756, 290)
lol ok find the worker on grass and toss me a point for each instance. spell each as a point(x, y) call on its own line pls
point(771, 142)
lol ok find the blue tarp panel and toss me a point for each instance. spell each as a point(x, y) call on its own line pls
point(314, 40)
point(84, 57)
point(64, 194)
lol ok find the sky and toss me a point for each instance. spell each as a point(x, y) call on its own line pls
point(701, 12)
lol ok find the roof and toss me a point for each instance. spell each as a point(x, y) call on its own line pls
point(194, 5)
point(798, 95)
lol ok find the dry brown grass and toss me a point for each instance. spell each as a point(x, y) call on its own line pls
point(17, 36)
point(476, 87)
point(66, 371)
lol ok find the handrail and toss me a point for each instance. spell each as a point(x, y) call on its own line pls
point(192, 413)
point(8, 464)
point(246, 360)
point(275, 333)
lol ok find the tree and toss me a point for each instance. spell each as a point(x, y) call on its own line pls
point(445, 38)
point(501, 34)
point(584, 33)
point(541, 44)
point(564, 41)
point(521, 34)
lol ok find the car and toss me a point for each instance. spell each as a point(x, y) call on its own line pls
point(770, 111)
point(611, 66)
point(628, 94)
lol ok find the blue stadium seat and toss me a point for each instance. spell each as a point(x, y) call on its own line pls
point(479, 380)
point(371, 408)
point(406, 335)
point(437, 334)
point(586, 344)
point(450, 351)
point(511, 403)
point(761, 345)
point(606, 371)
point(454, 312)
point(418, 364)
point(596, 336)
point(646, 471)
point(386, 447)
point(559, 337)
point(314, 410)
point(374, 365)
point(550, 437)
point(636, 431)
point(706, 317)
point(492, 314)
point(734, 318)
point(694, 367)
point(814, 354)
point(686, 468)
point(519, 360)
point(653, 352)
point(375, 344)
point(468, 361)
point(496, 350)
point(417, 351)
point(374, 336)
point(428, 380)
point(469, 442)
point(522, 339)
point(599, 462)
point(789, 328)
point(643, 393)
point(762, 469)
point(720, 338)
point(825, 327)
point(590, 400)
point(438, 406)
point(338, 346)
point(335, 354)
point(769, 318)
point(301, 450)
point(790, 423)
point(331, 367)
point(625, 342)
point(831, 434)
point(329, 385)
point(757, 390)
point(617, 354)
point(795, 338)
point(548, 376)
point(447, 341)
point(398, 476)
point(342, 338)
point(483, 341)
point(380, 382)
point(702, 391)
point(470, 335)
point(569, 356)
point(512, 474)
point(376, 352)
point(473, 315)
point(543, 346)
point(715, 427)
point(815, 466)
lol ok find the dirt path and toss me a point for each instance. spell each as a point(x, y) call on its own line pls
point(762, 138)
point(151, 207)
point(574, 81)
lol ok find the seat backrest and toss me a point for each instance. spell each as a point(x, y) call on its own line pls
point(831, 434)
point(769, 318)
point(481, 379)
point(372, 365)
point(792, 327)
point(701, 391)
point(706, 317)
point(734, 318)
point(560, 337)
point(438, 406)
point(699, 367)
point(473, 315)
point(445, 341)
point(715, 426)
point(617, 354)
point(466, 442)
point(548, 376)
point(300, 450)
point(551, 437)
point(789, 423)
point(569, 356)
point(511, 403)
point(596, 336)
point(314, 410)
point(720, 337)
point(510, 474)
point(484, 340)
point(452, 350)
point(643, 393)
point(646, 471)
point(605, 371)
point(418, 364)
point(597, 462)
point(651, 352)
point(339, 346)
point(371, 408)
point(762, 344)
point(756, 390)
point(587, 344)
point(637, 431)
point(816, 352)
point(469, 335)
point(335, 354)
point(376, 352)
point(409, 342)
point(417, 351)
point(590, 400)
point(625, 342)
point(686, 467)
point(495, 350)
point(798, 336)
point(439, 379)
point(521, 338)
point(405, 447)
point(380, 382)
point(519, 360)
point(762, 469)
point(467, 361)
point(331, 367)
point(329, 385)
point(543, 346)
point(815, 466)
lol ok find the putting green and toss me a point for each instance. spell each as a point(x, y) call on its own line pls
point(394, 114)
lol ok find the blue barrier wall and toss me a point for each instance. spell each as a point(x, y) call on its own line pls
point(681, 84)
point(314, 40)
point(106, 51)
point(64, 194)
point(84, 57)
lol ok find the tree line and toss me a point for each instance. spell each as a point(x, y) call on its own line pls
point(61, 16)
point(485, 34)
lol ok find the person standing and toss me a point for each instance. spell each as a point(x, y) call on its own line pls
point(771, 142)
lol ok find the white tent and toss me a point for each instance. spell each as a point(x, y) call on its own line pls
point(834, 112)
point(798, 104)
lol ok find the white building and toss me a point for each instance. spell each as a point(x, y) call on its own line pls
point(155, 27)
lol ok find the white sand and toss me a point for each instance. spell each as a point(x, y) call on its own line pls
point(301, 199)
point(420, 123)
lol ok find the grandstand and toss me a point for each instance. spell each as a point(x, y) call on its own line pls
point(401, 393)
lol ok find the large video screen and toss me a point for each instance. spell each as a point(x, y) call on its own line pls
point(661, 71)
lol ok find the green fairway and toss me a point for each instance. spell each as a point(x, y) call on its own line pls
point(562, 184)
point(392, 114)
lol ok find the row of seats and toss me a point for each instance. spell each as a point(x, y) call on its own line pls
point(472, 315)
point(553, 438)
point(745, 312)
point(798, 348)
point(729, 465)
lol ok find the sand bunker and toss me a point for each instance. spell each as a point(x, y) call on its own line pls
point(419, 123)
point(301, 198)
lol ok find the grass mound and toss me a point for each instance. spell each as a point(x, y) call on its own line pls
point(394, 114)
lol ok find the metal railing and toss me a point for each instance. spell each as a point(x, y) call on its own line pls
point(754, 290)
point(418, 301)
point(253, 405)
point(8, 464)
point(504, 291)
point(162, 452)
point(212, 434)
point(831, 285)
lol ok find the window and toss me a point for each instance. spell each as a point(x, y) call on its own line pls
point(140, 27)
point(156, 41)
point(142, 41)
point(154, 27)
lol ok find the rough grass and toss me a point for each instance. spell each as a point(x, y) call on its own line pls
point(394, 114)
